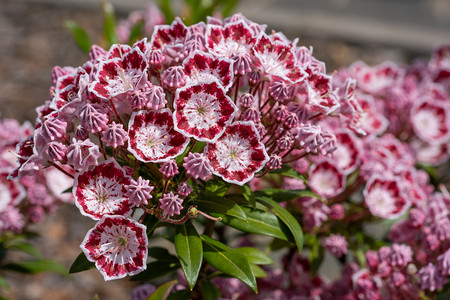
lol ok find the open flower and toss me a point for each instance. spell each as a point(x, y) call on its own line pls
point(117, 76)
point(384, 198)
point(202, 111)
point(102, 191)
point(238, 154)
point(152, 137)
point(205, 67)
point(118, 246)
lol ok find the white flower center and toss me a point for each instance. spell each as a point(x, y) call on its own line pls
point(152, 140)
point(201, 111)
point(233, 153)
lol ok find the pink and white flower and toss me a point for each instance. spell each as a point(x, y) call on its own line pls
point(326, 179)
point(431, 121)
point(117, 76)
point(203, 111)
point(102, 191)
point(204, 67)
point(118, 246)
point(152, 137)
point(238, 154)
point(384, 197)
point(276, 59)
point(346, 156)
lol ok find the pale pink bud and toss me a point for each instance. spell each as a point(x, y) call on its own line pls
point(246, 100)
point(254, 77)
point(197, 166)
point(337, 212)
point(252, 114)
point(184, 189)
point(274, 162)
point(171, 204)
point(173, 78)
point(139, 191)
point(53, 129)
point(156, 97)
point(93, 118)
point(115, 135)
point(169, 168)
point(56, 151)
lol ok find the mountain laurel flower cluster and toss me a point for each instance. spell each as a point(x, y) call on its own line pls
point(144, 128)
point(26, 201)
point(377, 174)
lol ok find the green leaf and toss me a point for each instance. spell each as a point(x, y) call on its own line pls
point(278, 244)
point(229, 6)
point(190, 252)
point(279, 195)
point(288, 171)
point(166, 8)
point(180, 295)
point(248, 194)
point(161, 254)
point(260, 222)
point(109, 24)
point(218, 207)
point(81, 264)
point(210, 291)
point(4, 284)
point(228, 261)
point(136, 32)
point(258, 271)
point(27, 248)
point(255, 256)
point(156, 269)
point(286, 217)
point(216, 188)
point(316, 252)
point(162, 292)
point(37, 266)
point(80, 36)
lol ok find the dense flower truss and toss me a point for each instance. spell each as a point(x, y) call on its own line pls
point(141, 127)
point(118, 246)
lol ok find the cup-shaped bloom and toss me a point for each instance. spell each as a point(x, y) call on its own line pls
point(117, 246)
point(431, 121)
point(102, 191)
point(385, 198)
point(152, 137)
point(326, 179)
point(238, 154)
point(202, 111)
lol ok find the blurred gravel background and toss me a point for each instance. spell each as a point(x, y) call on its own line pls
point(33, 40)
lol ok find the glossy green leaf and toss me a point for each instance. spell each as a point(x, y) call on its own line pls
point(81, 264)
point(258, 271)
point(286, 217)
point(163, 291)
point(36, 266)
point(190, 252)
point(218, 207)
point(228, 261)
point(260, 222)
point(254, 256)
point(216, 188)
point(248, 194)
point(210, 291)
point(109, 24)
point(80, 36)
point(280, 195)
point(288, 171)
point(156, 269)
